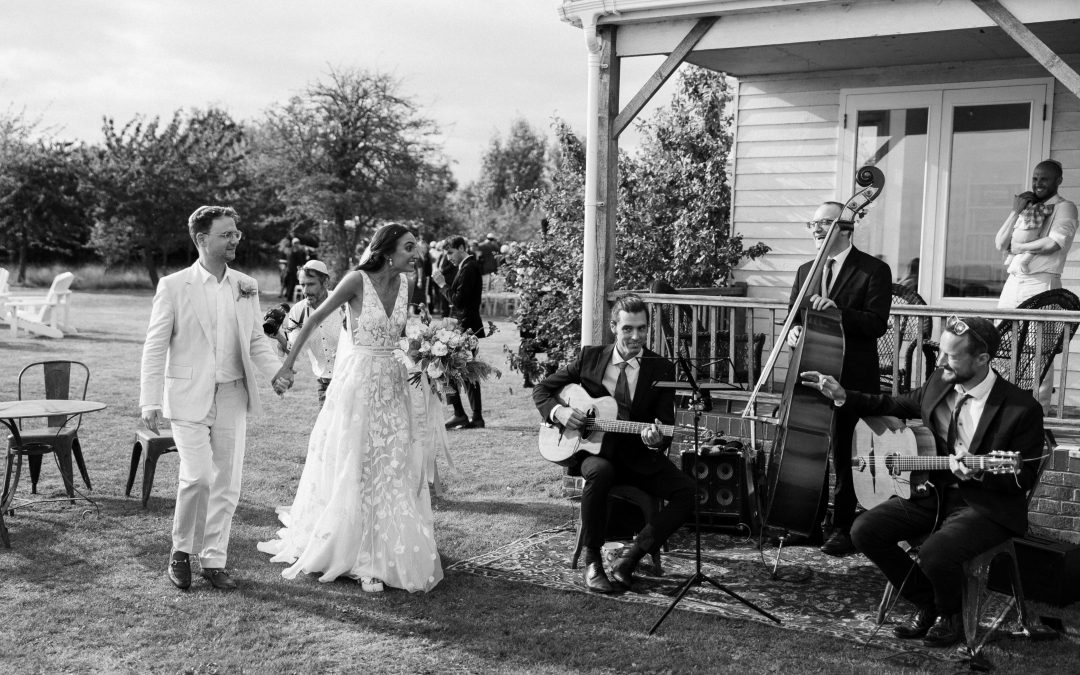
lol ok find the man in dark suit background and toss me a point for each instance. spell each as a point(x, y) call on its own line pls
point(859, 286)
point(464, 294)
point(971, 411)
point(627, 371)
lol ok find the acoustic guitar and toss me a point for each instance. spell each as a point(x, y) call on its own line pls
point(876, 475)
point(562, 445)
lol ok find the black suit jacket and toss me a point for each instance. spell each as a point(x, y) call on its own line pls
point(1012, 420)
point(649, 404)
point(863, 292)
point(464, 294)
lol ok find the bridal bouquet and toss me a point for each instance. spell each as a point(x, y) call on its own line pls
point(443, 352)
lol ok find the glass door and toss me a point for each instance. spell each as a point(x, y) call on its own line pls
point(995, 138)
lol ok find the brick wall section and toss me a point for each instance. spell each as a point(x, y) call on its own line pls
point(1055, 507)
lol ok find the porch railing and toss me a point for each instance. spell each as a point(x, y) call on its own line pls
point(728, 338)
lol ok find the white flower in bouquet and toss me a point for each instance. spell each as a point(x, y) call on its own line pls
point(435, 370)
point(439, 349)
point(425, 347)
point(414, 330)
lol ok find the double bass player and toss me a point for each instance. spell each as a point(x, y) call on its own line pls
point(859, 287)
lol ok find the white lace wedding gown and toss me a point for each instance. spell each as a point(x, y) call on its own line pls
point(362, 507)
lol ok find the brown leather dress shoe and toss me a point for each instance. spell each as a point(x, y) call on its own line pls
point(218, 578)
point(917, 625)
point(596, 580)
point(179, 571)
point(622, 570)
point(946, 631)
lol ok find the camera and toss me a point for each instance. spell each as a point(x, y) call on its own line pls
point(273, 319)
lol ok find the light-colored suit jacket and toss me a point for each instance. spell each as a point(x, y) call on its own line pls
point(177, 359)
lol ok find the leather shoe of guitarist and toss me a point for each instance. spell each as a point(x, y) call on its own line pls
point(595, 579)
point(622, 570)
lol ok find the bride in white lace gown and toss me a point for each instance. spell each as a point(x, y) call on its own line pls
point(362, 508)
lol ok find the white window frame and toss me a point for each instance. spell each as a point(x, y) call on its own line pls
point(940, 99)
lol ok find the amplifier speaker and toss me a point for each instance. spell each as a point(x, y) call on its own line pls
point(1049, 570)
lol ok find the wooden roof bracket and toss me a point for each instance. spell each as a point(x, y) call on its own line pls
point(1038, 49)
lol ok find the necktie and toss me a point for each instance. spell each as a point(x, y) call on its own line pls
point(828, 275)
point(622, 392)
point(954, 422)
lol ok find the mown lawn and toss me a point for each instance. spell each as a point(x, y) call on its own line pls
point(85, 591)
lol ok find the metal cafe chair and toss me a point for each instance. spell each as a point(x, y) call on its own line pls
point(57, 380)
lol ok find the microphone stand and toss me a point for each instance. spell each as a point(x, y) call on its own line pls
point(698, 576)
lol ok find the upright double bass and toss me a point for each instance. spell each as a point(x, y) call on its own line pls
point(807, 419)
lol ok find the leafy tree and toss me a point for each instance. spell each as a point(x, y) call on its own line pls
point(352, 147)
point(546, 272)
point(675, 197)
point(673, 221)
point(148, 178)
point(41, 206)
point(503, 199)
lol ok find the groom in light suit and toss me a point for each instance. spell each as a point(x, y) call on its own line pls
point(198, 369)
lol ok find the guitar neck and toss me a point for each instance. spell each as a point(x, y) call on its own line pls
point(626, 427)
point(936, 463)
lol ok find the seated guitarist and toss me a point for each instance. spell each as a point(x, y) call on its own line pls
point(626, 371)
point(971, 411)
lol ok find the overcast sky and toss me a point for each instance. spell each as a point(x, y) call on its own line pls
point(472, 65)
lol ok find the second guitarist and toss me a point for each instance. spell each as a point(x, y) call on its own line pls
point(626, 371)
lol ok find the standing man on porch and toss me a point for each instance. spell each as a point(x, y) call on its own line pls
point(859, 286)
point(1035, 261)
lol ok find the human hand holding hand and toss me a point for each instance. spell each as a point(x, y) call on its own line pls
point(283, 380)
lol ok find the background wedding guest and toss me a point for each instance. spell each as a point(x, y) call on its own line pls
point(464, 293)
point(203, 343)
point(321, 348)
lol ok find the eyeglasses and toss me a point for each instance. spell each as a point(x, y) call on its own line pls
point(230, 236)
point(959, 327)
point(824, 223)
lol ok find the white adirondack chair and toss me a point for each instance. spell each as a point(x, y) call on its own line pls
point(46, 315)
point(4, 292)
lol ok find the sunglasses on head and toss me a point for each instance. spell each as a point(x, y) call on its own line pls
point(959, 327)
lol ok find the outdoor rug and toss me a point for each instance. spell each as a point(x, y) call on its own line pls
point(835, 596)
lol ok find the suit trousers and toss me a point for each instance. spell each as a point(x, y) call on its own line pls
point(211, 461)
point(844, 500)
point(669, 483)
point(936, 580)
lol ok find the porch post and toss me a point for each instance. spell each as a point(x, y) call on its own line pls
point(601, 187)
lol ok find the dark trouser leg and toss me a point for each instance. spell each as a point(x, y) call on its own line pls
point(877, 532)
point(455, 400)
point(599, 476)
point(844, 496)
point(472, 390)
point(677, 489)
point(963, 535)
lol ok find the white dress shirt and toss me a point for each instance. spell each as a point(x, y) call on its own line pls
point(221, 298)
point(838, 262)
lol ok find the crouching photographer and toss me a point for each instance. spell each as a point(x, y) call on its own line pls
point(321, 348)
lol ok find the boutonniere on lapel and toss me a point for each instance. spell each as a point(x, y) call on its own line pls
point(246, 291)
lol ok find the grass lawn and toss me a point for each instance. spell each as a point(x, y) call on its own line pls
point(86, 591)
